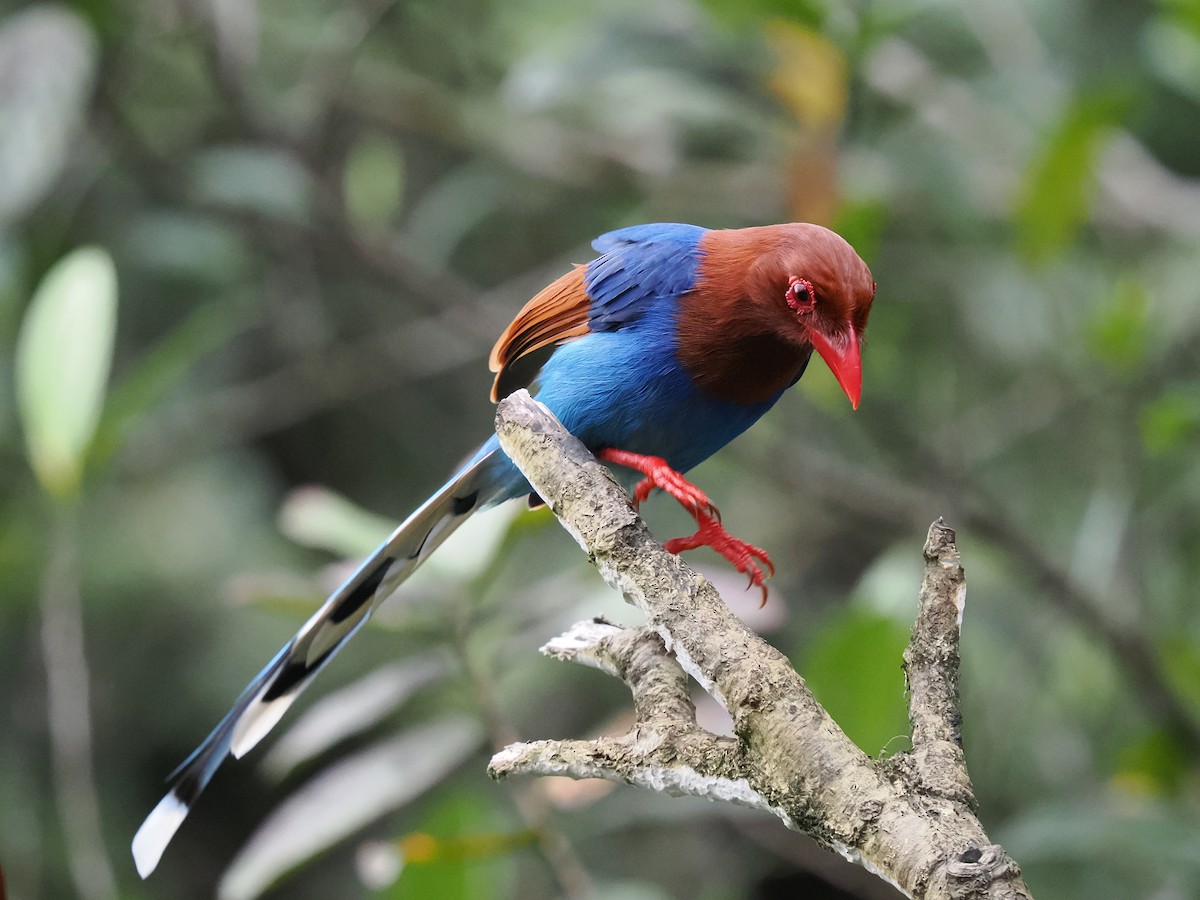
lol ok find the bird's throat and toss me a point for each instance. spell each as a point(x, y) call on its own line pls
point(743, 368)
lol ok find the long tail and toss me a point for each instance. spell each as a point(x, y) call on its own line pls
point(267, 697)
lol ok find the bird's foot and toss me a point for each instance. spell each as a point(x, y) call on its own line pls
point(746, 558)
point(660, 475)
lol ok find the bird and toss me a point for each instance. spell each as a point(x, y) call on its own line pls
point(670, 343)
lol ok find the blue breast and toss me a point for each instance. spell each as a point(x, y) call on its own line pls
point(626, 389)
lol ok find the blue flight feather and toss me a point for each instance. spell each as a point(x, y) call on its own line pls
point(640, 266)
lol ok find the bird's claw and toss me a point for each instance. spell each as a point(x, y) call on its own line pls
point(746, 558)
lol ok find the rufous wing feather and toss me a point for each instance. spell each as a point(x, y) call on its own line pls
point(557, 314)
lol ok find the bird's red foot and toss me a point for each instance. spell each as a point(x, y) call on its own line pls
point(746, 558)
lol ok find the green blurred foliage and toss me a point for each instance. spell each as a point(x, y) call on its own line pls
point(321, 214)
point(853, 667)
point(459, 856)
point(1055, 199)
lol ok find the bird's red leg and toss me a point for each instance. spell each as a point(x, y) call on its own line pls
point(660, 475)
point(747, 558)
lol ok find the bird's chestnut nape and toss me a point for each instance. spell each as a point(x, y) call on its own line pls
point(800, 295)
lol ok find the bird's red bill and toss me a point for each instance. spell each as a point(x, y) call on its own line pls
point(844, 360)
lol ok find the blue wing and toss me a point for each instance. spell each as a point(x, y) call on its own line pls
point(639, 266)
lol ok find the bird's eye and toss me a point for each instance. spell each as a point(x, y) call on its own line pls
point(800, 295)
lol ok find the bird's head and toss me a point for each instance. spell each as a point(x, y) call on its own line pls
point(821, 292)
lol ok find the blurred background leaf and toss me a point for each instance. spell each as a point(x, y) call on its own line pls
point(373, 182)
point(1058, 187)
point(347, 797)
point(48, 62)
point(62, 361)
point(852, 665)
point(319, 518)
point(350, 710)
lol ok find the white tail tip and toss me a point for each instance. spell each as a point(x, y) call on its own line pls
point(256, 722)
point(156, 832)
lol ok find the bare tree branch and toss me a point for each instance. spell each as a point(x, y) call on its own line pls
point(931, 667)
point(909, 819)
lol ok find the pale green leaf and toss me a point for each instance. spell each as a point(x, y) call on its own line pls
point(373, 182)
point(317, 517)
point(64, 352)
point(468, 552)
point(48, 59)
point(262, 180)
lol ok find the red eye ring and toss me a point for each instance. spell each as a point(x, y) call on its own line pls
point(800, 295)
